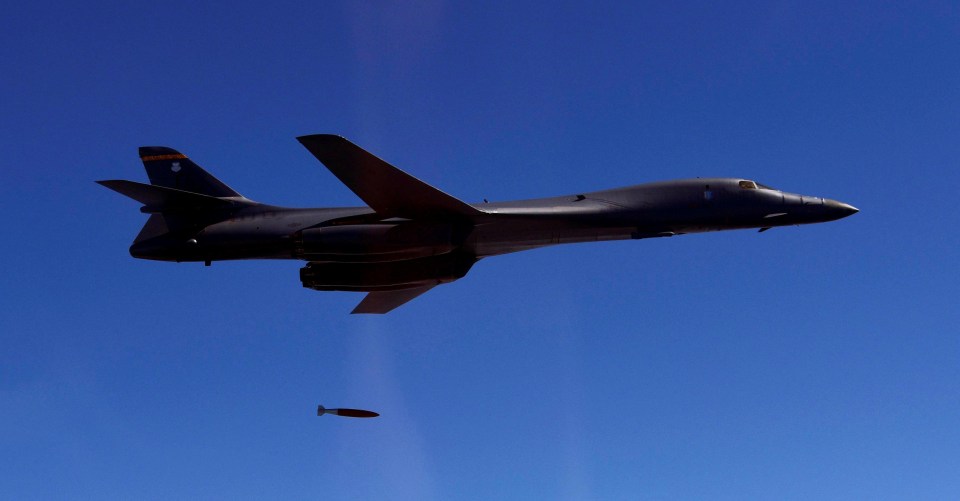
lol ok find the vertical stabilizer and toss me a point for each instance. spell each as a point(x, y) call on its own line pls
point(169, 168)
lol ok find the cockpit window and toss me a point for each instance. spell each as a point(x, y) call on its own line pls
point(748, 185)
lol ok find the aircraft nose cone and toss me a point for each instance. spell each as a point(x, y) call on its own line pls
point(840, 209)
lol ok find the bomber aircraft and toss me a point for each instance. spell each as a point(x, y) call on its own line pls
point(411, 236)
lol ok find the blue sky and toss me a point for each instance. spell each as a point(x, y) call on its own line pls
point(819, 362)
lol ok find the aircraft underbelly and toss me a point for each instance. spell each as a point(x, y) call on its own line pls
point(484, 243)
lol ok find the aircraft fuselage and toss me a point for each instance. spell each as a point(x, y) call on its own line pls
point(658, 209)
point(412, 237)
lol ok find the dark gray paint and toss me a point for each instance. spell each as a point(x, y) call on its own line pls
point(412, 236)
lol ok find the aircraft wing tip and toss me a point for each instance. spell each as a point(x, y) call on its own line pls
point(320, 138)
point(381, 302)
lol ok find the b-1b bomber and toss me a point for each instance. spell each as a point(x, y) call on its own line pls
point(411, 236)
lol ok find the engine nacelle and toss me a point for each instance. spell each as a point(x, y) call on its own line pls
point(371, 243)
point(385, 276)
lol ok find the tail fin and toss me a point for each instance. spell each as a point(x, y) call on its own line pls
point(169, 168)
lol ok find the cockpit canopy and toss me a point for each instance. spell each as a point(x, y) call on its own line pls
point(753, 185)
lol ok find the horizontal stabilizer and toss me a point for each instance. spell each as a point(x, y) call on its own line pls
point(160, 199)
point(385, 301)
point(385, 188)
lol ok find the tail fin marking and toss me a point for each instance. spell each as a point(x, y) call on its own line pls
point(169, 168)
